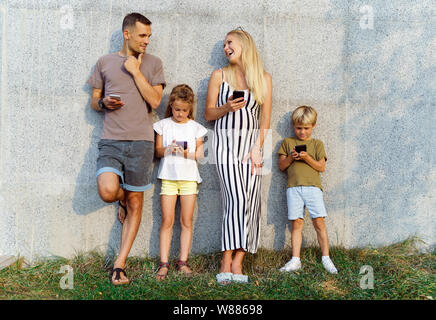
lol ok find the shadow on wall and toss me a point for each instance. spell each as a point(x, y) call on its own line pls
point(389, 100)
point(277, 210)
point(207, 228)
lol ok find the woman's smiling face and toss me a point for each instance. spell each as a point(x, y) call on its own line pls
point(232, 48)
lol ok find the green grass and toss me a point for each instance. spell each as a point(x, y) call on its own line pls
point(399, 273)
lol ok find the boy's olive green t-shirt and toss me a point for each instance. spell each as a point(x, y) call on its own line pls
point(299, 172)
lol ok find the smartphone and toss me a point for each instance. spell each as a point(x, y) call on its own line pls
point(238, 94)
point(115, 96)
point(299, 148)
point(183, 144)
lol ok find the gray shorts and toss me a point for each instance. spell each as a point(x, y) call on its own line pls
point(130, 160)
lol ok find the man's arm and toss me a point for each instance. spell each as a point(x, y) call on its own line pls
point(95, 96)
point(151, 94)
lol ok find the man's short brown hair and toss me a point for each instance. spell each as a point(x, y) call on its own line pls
point(131, 19)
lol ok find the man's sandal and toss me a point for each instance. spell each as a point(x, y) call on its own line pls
point(181, 264)
point(118, 281)
point(162, 265)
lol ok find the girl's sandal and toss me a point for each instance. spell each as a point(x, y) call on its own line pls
point(163, 265)
point(180, 267)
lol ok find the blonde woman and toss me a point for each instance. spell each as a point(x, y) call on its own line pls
point(241, 125)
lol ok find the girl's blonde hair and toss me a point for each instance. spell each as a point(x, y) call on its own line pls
point(184, 93)
point(252, 64)
point(304, 115)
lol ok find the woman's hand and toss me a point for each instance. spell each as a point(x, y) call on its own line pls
point(255, 155)
point(234, 105)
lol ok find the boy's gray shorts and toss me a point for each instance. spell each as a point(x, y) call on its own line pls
point(130, 160)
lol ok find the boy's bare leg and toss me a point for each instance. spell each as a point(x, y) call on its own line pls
point(297, 236)
point(321, 232)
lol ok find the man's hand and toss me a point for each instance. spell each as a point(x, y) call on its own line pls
point(132, 64)
point(112, 104)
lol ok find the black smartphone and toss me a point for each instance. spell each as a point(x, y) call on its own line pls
point(183, 144)
point(238, 94)
point(299, 148)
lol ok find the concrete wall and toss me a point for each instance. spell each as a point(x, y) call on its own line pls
point(372, 82)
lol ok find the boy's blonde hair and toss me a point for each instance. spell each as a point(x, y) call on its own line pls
point(304, 115)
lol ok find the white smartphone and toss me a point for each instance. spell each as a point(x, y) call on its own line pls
point(115, 96)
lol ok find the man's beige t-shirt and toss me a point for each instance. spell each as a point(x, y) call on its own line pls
point(133, 121)
point(299, 172)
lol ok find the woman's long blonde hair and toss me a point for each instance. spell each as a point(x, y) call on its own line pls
point(252, 64)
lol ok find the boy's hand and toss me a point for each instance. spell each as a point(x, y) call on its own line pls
point(304, 155)
point(295, 155)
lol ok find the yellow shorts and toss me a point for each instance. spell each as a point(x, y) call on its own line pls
point(178, 187)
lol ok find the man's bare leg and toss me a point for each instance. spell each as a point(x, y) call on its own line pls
point(110, 191)
point(134, 201)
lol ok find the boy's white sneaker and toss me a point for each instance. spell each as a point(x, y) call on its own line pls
point(328, 265)
point(292, 265)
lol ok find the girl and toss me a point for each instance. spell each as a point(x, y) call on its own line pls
point(179, 142)
point(241, 125)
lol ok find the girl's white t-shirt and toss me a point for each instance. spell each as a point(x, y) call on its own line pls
point(176, 167)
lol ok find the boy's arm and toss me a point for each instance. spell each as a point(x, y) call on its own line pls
point(285, 161)
point(317, 165)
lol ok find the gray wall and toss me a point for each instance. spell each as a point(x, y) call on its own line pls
point(373, 86)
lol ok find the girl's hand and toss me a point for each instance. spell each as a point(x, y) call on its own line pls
point(255, 155)
point(179, 152)
point(171, 149)
point(234, 105)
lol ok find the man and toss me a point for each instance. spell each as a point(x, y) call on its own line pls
point(125, 86)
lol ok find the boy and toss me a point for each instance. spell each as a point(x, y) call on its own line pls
point(303, 165)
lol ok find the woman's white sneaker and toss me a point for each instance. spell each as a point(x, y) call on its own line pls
point(292, 265)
